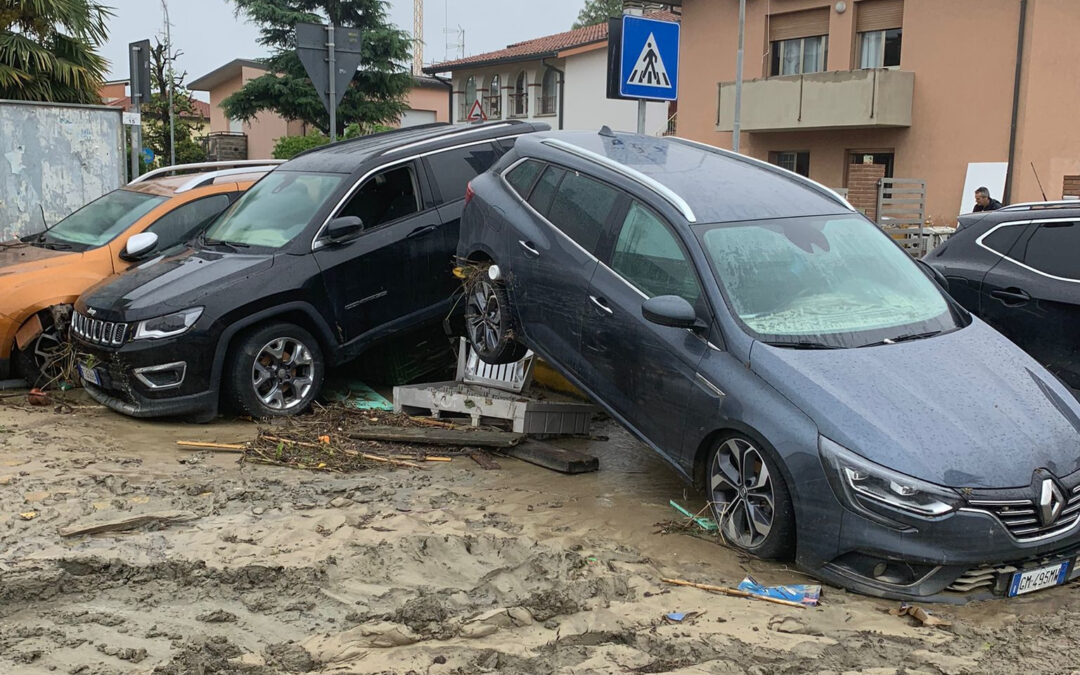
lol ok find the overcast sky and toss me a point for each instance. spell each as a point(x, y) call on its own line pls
point(209, 35)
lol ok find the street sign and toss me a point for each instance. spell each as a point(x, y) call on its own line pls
point(476, 112)
point(132, 119)
point(148, 156)
point(312, 46)
point(649, 64)
point(139, 70)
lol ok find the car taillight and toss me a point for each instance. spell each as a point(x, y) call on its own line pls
point(468, 193)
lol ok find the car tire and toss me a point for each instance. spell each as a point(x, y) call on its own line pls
point(40, 363)
point(750, 498)
point(274, 370)
point(489, 324)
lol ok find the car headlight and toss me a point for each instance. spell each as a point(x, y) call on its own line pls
point(862, 483)
point(168, 325)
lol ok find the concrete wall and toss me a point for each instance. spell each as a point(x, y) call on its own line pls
point(962, 54)
point(430, 99)
point(56, 157)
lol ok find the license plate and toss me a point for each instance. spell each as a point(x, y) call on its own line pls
point(1038, 579)
point(89, 374)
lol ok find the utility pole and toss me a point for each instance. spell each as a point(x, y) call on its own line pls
point(736, 126)
point(172, 112)
point(333, 82)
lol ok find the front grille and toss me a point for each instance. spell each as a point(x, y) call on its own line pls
point(97, 331)
point(1021, 520)
point(984, 576)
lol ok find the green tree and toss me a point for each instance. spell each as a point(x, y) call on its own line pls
point(48, 50)
point(155, 112)
point(376, 94)
point(598, 11)
point(288, 147)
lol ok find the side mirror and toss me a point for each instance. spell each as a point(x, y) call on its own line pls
point(670, 310)
point(138, 245)
point(934, 274)
point(344, 228)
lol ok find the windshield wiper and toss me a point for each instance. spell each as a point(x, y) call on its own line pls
point(54, 246)
point(234, 245)
point(800, 344)
point(907, 337)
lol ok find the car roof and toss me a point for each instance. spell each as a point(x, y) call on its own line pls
point(350, 155)
point(713, 185)
point(169, 186)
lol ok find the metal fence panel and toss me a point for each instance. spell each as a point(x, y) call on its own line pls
point(901, 211)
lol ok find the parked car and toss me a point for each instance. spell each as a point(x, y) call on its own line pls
point(1018, 269)
point(42, 274)
point(335, 250)
point(775, 346)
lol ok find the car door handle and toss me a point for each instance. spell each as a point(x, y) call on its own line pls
point(1011, 296)
point(601, 303)
point(527, 246)
point(421, 231)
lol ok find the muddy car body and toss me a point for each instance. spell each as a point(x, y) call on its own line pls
point(334, 251)
point(776, 347)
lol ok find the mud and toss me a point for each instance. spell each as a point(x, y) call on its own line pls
point(451, 570)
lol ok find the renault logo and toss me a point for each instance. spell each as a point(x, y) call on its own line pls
point(1051, 501)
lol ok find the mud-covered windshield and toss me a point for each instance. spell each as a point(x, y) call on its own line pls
point(826, 281)
point(100, 221)
point(275, 210)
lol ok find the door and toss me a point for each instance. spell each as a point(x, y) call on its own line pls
point(553, 258)
point(371, 279)
point(1036, 303)
point(642, 370)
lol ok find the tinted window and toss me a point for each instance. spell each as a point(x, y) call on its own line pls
point(545, 189)
point(522, 176)
point(581, 209)
point(1054, 248)
point(1003, 238)
point(385, 197)
point(182, 223)
point(276, 209)
point(648, 255)
point(454, 169)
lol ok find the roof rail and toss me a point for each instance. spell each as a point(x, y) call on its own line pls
point(354, 139)
point(453, 130)
point(812, 184)
point(199, 166)
point(1027, 206)
point(202, 179)
point(656, 186)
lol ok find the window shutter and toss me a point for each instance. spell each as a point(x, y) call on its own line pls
point(799, 24)
point(878, 15)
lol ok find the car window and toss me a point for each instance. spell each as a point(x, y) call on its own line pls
point(104, 218)
point(522, 176)
point(648, 255)
point(385, 197)
point(453, 169)
point(184, 222)
point(1002, 239)
point(1054, 249)
point(581, 209)
point(545, 189)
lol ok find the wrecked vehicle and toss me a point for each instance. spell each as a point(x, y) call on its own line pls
point(1018, 269)
point(337, 249)
point(42, 274)
point(777, 348)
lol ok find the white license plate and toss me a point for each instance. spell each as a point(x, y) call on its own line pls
point(89, 374)
point(1038, 579)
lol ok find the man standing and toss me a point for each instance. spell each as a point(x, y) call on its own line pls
point(983, 201)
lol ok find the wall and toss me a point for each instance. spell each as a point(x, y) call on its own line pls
point(587, 106)
point(262, 131)
point(432, 99)
point(963, 55)
point(56, 157)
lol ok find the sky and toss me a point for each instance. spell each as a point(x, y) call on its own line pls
point(209, 35)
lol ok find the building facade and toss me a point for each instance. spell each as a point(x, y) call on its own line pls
point(845, 91)
point(558, 79)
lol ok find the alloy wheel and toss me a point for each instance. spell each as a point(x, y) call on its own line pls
point(283, 373)
point(741, 491)
point(483, 316)
point(49, 351)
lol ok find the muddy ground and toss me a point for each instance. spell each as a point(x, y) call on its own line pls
point(451, 570)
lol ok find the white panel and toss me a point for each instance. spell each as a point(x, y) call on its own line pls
point(411, 118)
point(990, 175)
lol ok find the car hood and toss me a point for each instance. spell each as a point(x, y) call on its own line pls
point(17, 257)
point(177, 282)
point(964, 409)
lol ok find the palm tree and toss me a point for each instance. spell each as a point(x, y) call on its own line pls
point(47, 50)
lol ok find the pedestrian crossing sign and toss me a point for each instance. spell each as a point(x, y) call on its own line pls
point(650, 59)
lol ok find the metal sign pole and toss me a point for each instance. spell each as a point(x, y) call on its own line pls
point(736, 126)
point(136, 129)
point(333, 82)
point(641, 115)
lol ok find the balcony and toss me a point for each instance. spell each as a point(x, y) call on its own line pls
point(832, 100)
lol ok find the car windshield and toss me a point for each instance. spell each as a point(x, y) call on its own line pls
point(824, 281)
point(275, 210)
point(97, 223)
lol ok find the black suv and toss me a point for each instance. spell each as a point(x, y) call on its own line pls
point(323, 257)
point(1018, 269)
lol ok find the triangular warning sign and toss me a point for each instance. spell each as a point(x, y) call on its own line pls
point(476, 112)
point(649, 71)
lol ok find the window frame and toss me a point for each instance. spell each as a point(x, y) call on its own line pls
point(881, 51)
point(775, 158)
point(546, 95)
point(777, 48)
point(422, 205)
point(1032, 226)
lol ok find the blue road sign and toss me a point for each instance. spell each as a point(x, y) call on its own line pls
point(148, 155)
point(650, 59)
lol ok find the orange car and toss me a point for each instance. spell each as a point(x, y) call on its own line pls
point(42, 274)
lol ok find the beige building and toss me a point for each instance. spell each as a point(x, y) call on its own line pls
point(914, 88)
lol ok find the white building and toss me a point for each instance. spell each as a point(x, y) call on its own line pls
point(558, 79)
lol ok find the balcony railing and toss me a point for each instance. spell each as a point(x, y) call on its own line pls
point(548, 105)
point(518, 104)
point(493, 107)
